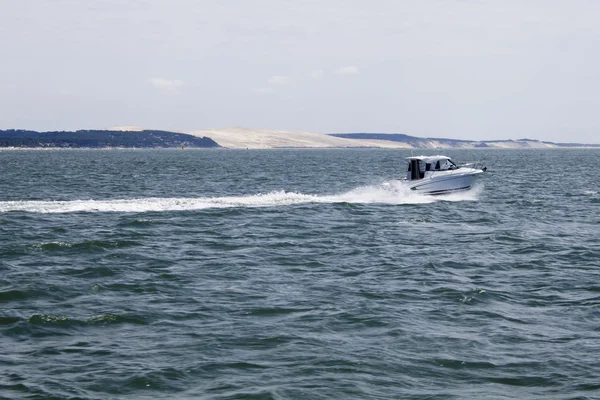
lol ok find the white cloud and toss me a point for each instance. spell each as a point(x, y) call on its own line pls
point(347, 70)
point(65, 92)
point(166, 85)
point(316, 74)
point(263, 90)
point(272, 82)
point(278, 80)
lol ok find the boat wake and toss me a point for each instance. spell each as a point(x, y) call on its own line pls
point(378, 194)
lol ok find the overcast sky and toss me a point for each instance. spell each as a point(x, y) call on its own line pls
point(465, 69)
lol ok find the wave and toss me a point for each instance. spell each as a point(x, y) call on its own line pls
point(376, 194)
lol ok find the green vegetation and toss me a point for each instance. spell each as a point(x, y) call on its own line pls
point(101, 138)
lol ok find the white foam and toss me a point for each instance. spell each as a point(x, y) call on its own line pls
point(467, 195)
point(379, 194)
point(383, 194)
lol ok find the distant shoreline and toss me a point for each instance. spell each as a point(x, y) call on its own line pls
point(294, 148)
point(131, 137)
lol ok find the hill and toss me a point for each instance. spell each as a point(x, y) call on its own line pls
point(249, 138)
point(101, 139)
point(417, 142)
point(255, 138)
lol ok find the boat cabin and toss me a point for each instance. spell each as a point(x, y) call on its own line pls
point(420, 167)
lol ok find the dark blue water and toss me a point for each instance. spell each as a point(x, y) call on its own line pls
point(296, 274)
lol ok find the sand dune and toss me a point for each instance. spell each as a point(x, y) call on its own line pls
point(250, 138)
point(257, 138)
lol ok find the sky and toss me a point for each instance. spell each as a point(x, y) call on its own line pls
point(464, 69)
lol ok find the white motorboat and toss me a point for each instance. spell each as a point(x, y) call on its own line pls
point(439, 175)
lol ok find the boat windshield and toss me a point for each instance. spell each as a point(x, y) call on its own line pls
point(447, 165)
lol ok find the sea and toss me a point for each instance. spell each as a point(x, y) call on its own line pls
point(297, 274)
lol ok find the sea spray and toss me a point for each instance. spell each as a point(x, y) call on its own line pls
point(381, 194)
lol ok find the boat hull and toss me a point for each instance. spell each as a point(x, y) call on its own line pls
point(444, 183)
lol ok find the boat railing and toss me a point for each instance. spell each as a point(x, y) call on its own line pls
point(475, 165)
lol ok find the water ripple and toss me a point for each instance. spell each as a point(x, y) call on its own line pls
point(283, 275)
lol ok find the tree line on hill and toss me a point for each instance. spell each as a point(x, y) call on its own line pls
point(102, 138)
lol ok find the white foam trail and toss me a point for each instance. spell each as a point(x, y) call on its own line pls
point(156, 204)
point(381, 194)
point(467, 195)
